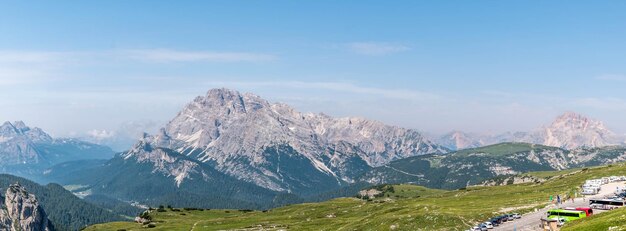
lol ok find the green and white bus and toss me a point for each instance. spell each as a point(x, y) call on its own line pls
point(568, 215)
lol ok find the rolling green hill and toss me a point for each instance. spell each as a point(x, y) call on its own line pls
point(474, 166)
point(506, 149)
point(401, 210)
point(469, 167)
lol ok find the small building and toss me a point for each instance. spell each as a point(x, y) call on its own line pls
point(549, 225)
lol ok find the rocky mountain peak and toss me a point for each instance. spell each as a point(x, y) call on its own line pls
point(8, 129)
point(20, 125)
point(142, 149)
point(29, 146)
point(569, 131)
point(240, 133)
point(572, 130)
point(162, 160)
point(21, 211)
point(19, 129)
point(571, 120)
point(231, 101)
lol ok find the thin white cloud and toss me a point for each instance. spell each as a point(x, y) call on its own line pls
point(375, 48)
point(16, 75)
point(606, 104)
point(146, 55)
point(28, 67)
point(28, 56)
point(101, 134)
point(334, 86)
point(164, 55)
point(612, 77)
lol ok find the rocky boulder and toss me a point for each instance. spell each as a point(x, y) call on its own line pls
point(21, 211)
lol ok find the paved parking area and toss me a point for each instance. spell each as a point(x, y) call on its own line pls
point(531, 221)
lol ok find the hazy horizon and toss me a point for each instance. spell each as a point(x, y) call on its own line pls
point(152, 125)
point(75, 67)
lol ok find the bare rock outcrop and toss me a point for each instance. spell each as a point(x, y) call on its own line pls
point(21, 211)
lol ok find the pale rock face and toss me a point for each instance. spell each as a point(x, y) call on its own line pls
point(233, 132)
point(572, 131)
point(17, 143)
point(569, 131)
point(21, 212)
point(163, 162)
point(556, 159)
point(22, 146)
point(502, 170)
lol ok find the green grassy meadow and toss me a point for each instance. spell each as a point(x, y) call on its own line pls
point(408, 207)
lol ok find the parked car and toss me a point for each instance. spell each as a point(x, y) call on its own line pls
point(488, 224)
point(510, 217)
point(517, 215)
point(495, 222)
point(483, 227)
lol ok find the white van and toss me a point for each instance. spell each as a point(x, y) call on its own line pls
point(589, 191)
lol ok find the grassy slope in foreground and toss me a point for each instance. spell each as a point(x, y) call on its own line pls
point(443, 210)
point(613, 220)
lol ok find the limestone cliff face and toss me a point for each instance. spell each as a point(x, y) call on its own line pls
point(21, 212)
point(271, 144)
point(570, 131)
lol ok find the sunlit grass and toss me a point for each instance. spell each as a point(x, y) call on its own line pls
point(408, 208)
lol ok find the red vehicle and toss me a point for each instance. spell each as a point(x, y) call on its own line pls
point(587, 210)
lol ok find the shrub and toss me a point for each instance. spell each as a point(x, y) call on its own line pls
point(145, 215)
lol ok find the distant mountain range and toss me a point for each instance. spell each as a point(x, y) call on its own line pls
point(228, 143)
point(568, 131)
point(473, 166)
point(232, 150)
point(27, 151)
point(264, 155)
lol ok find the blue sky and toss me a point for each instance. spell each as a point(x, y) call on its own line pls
point(481, 66)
